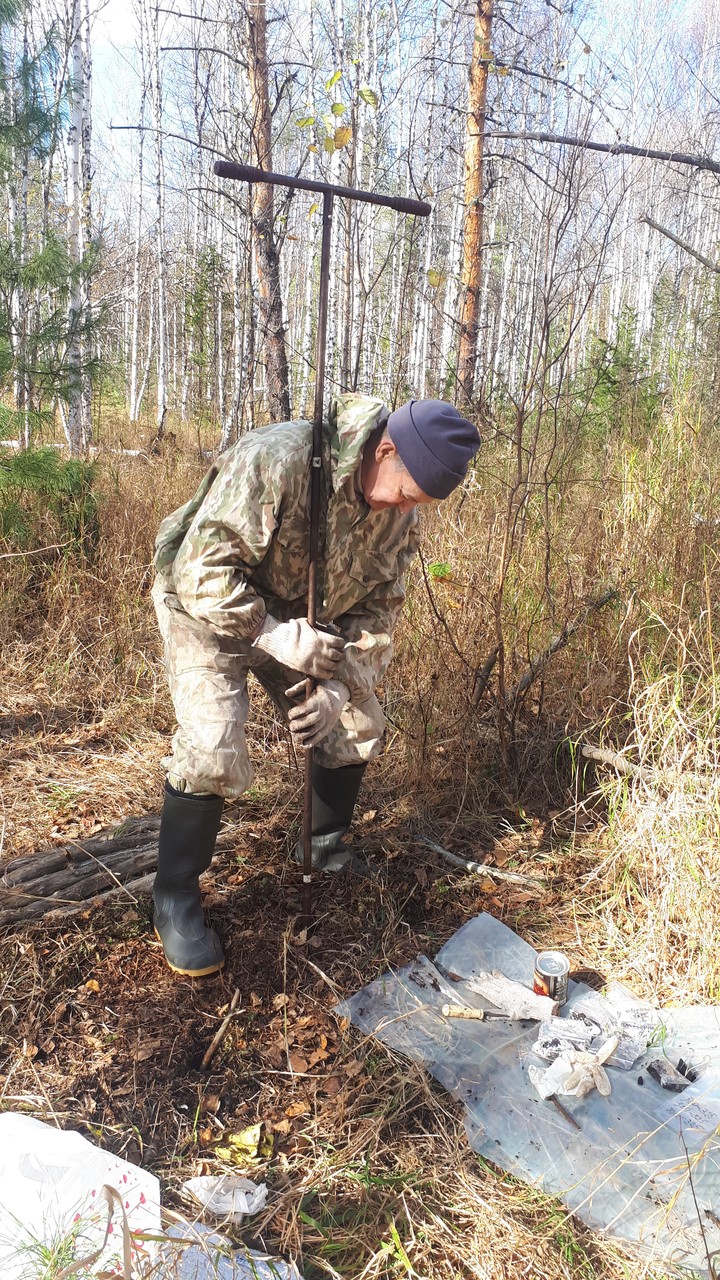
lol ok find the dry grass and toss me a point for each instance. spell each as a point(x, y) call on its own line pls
point(370, 1173)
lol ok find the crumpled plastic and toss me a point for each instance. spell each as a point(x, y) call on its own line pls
point(226, 1196)
point(616, 1013)
point(193, 1251)
point(593, 1020)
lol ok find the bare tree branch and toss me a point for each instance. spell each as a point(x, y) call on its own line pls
point(682, 244)
point(613, 148)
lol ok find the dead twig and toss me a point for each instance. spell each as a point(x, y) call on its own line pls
point(217, 1038)
point(618, 762)
point(538, 664)
point(480, 868)
point(483, 675)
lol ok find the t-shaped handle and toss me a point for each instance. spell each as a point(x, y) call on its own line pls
point(248, 173)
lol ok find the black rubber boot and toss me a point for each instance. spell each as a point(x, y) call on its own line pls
point(334, 792)
point(188, 831)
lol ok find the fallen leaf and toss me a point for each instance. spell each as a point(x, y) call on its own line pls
point(421, 877)
point(297, 1109)
point(353, 1068)
point(332, 1086)
point(92, 984)
point(142, 1052)
point(318, 1055)
point(281, 1126)
point(246, 1142)
point(298, 1063)
point(279, 1001)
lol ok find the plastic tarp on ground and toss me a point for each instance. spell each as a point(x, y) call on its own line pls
point(644, 1166)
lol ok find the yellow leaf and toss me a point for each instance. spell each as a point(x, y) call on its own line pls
point(93, 985)
point(342, 136)
point(314, 149)
point(435, 277)
point(313, 207)
point(329, 144)
point(330, 84)
point(241, 1144)
point(369, 96)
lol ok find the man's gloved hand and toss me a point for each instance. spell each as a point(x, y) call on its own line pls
point(313, 720)
point(299, 646)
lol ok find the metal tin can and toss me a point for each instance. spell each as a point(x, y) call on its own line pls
point(551, 975)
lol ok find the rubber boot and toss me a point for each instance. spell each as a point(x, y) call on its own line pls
point(334, 792)
point(188, 831)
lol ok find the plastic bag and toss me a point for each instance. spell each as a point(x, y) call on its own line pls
point(227, 1196)
point(53, 1193)
point(193, 1251)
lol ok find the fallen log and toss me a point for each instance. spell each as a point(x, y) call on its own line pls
point(65, 880)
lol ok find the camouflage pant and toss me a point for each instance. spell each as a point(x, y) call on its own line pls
point(207, 674)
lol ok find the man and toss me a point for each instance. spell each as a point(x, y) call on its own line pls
point(231, 597)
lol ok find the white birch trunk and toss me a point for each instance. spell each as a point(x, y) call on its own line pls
point(77, 426)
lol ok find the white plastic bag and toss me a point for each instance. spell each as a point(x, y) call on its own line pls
point(53, 1197)
point(227, 1196)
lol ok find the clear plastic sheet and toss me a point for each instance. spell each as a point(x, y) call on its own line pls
point(641, 1158)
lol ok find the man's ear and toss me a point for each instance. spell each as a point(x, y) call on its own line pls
point(385, 449)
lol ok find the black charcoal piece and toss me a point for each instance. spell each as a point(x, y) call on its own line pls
point(667, 1076)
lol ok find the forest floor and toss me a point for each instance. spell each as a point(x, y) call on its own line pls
point(367, 1162)
point(369, 1170)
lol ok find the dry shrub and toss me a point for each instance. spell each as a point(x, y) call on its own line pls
point(654, 893)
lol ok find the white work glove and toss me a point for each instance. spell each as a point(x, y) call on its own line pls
point(299, 646)
point(313, 720)
point(588, 1071)
point(576, 1072)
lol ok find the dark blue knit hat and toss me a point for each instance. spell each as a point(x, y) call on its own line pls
point(435, 444)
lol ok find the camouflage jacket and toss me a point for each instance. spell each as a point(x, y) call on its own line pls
point(239, 548)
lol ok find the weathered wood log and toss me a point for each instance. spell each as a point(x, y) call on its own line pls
point(65, 880)
point(132, 833)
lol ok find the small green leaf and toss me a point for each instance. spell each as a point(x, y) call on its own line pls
point(330, 84)
point(313, 207)
point(435, 277)
point(305, 121)
point(337, 108)
point(314, 149)
point(440, 569)
point(329, 145)
point(369, 96)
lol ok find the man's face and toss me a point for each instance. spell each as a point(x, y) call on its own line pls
point(387, 483)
